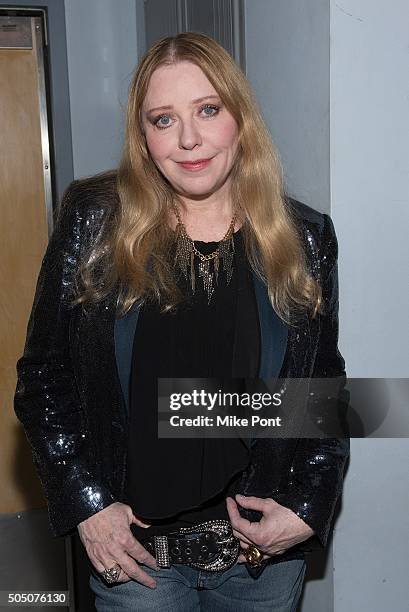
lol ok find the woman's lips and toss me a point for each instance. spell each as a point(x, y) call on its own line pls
point(192, 166)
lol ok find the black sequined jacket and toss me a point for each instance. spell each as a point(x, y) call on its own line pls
point(69, 396)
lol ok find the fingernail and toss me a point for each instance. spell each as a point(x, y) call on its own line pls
point(152, 586)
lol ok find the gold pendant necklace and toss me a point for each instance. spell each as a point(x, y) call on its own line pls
point(186, 252)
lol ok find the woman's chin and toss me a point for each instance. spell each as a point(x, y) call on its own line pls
point(197, 192)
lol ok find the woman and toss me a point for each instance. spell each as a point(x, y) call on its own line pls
point(188, 261)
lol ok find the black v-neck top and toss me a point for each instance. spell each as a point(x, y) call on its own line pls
point(177, 482)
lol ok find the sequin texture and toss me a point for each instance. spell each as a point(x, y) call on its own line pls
point(69, 397)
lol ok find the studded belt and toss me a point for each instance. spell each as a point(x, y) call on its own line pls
point(207, 546)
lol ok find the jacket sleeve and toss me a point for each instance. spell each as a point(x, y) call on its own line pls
point(318, 465)
point(46, 400)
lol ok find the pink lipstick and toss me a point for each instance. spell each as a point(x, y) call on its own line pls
point(198, 164)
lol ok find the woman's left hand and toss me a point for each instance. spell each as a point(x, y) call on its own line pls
point(278, 529)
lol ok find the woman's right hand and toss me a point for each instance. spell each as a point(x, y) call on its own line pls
point(108, 539)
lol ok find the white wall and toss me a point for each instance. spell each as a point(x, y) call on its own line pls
point(102, 53)
point(370, 207)
point(371, 562)
point(370, 180)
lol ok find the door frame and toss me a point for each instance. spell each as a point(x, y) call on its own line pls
point(58, 98)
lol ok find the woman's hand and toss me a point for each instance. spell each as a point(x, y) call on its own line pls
point(107, 538)
point(278, 529)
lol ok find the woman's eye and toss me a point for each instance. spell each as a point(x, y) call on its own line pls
point(165, 119)
point(210, 107)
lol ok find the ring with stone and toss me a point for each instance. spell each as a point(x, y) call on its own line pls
point(111, 575)
point(253, 555)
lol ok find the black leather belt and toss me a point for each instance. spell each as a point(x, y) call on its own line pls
point(208, 546)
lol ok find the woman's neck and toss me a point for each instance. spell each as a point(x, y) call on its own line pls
point(205, 220)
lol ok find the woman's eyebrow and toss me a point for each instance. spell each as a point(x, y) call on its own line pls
point(169, 107)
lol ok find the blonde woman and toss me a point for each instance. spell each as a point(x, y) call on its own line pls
point(186, 261)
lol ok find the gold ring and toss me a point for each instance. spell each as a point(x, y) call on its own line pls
point(253, 555)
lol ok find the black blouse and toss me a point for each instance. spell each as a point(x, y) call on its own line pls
point(177, 482)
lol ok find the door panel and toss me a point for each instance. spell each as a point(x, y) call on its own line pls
point(25, 219)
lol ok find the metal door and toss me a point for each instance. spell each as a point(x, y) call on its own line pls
point(221, 19)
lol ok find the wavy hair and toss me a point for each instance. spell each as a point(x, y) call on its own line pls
point(133, 252)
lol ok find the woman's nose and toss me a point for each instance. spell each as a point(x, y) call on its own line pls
point(189, 135)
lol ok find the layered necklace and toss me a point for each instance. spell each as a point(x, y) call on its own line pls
point(209, 264)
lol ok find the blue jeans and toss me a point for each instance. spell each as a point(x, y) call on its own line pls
point(184, 589)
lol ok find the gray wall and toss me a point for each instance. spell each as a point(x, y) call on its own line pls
point(331, 81)
point(102, 53)
point(31, 558)
point(287, 58)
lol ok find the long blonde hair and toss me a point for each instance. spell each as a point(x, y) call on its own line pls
point(138, 233)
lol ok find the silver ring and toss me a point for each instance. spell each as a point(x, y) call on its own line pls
point(111, 575)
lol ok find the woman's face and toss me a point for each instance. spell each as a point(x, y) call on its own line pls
point(194, 126)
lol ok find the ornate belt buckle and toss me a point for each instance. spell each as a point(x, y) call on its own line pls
point(229, 545)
